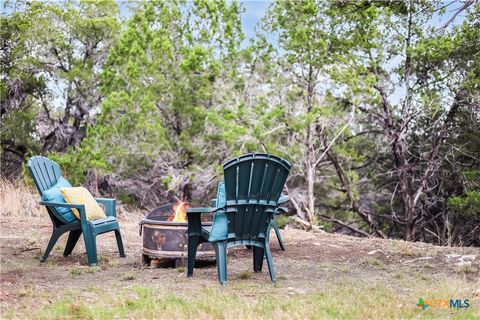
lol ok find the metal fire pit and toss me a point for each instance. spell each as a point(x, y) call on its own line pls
point(165, 242)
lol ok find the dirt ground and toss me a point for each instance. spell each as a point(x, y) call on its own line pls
point(310, 260)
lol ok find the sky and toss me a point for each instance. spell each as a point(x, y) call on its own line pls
point(254, 11)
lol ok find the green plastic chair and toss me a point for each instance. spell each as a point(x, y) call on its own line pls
point(48, 178)
point(245, 206)
point(283, 198)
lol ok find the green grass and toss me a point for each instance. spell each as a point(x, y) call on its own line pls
point(373, 262)
point(181, 269)
point(75, 272)
point(129, 276)
point(344, 300)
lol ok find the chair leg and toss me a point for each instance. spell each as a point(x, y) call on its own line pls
point(72, 241)
point(91, 246)
point(268, 255)
point(192, 253)
point(257, 259)
point(279, 236)
point(118, 236)
point(221, 253)
point(53, 239)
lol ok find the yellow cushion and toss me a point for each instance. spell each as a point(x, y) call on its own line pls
point(80, 195)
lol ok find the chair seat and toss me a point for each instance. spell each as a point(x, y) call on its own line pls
point(103, 225)
point(99, 222)
point(207, 230)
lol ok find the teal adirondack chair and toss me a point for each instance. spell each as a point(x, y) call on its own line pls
point(283, 199)
point(245, 206)
point(48, 179)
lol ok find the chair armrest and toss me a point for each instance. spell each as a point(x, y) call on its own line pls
point(110, 206)
point(79, 207)
point(283, 198)
point(194, 219)
point(201, 210)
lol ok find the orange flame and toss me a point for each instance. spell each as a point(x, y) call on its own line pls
point(179, 214)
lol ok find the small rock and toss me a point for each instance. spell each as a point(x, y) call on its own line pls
point(477, 293)
point(464, 264)
point(375, 251)
point(452, 256)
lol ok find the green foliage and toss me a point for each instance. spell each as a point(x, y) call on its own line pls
point(467, 206)
point(18, 128)
point(126, 198)
point(325, 225)
point(54, 53)
point(282, 220)
point(76, 164)
point(157, 101)
point(159, 85)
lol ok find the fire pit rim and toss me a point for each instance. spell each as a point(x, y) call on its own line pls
point(170, 223)
point(160, 221)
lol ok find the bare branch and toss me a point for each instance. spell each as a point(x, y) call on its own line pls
point(464, 7)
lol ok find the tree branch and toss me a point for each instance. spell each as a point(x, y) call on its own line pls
point(340, 222)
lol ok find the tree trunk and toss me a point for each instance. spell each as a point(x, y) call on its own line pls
point(311, 81)
point(356, 207)
point(310, 175)
point(409, 212)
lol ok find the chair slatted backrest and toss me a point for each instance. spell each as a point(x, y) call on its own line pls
point(45, 174)
point(253, 185)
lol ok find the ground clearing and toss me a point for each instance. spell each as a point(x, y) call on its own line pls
point(319, 276)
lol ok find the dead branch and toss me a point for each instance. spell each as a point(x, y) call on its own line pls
point(340, 222)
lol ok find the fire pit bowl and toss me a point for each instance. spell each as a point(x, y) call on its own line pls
point(165, 239)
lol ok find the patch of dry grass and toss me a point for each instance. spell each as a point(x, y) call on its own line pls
point(246, 274)
point(466, 268)
point(407, 249)
point(17, 199)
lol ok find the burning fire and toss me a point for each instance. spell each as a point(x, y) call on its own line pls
point(179, 214)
